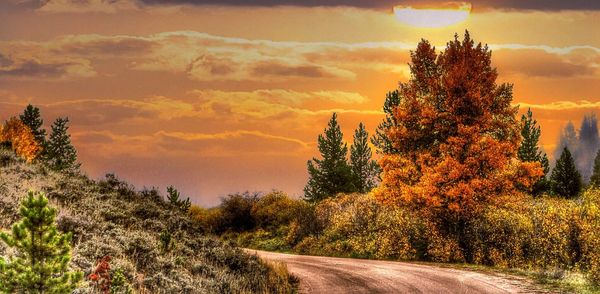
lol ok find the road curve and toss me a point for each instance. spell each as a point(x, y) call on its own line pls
point(319, 274)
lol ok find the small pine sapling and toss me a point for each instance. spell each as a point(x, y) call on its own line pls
point(166, 241)
point(41, 264)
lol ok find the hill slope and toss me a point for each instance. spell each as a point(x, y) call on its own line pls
point(110, 218)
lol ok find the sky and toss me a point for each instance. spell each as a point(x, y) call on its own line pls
point(222, 96)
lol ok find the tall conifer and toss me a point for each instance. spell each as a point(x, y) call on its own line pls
point(529, 150)
point(331, 174)
point(364, 168)
point(61, 154)
point(31, 117)
point(595, 178)
point(565, 179)
point(381, 138)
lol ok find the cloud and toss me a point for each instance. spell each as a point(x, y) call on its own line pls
point(280, 69)
point(563, 105)
point(542, 63)
point(229, 143)
point(207, 58)
point(550, 5)
point(17, 64)
point(82, 6)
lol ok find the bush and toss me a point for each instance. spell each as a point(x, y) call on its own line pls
point(275, 209)
point(236, 212)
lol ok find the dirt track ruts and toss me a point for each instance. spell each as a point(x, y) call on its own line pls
point(319, 274)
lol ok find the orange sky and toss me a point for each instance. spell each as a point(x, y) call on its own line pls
point(217, 98)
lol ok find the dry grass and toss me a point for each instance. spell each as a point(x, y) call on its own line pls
point(110, 217)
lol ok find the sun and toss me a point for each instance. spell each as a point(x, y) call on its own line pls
point(433, 17)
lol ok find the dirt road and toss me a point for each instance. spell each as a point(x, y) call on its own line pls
point(345, 275)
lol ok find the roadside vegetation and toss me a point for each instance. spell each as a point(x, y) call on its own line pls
point(63, 232)
point(460, 179)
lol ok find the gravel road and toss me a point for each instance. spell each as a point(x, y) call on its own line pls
point(347, 275)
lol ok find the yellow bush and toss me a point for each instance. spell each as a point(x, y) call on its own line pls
point(589, 235)
point(501, 237)
point(21, 139)
point(551, 237)
point(275, 209)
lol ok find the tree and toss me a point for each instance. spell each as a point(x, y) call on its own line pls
point(331, 174)
point(20, 138)
point(568, 138)
point(529, 150)
point(365, 169)
point(565, 179)
point(175, 199)
point(588, 144)
point(41, 264)
point(381, 140)
point(456, 134)
point(31, 117)
point(60, 153)
point(595, 178)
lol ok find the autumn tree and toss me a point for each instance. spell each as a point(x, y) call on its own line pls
point(529, 150)
point(60, 153)
point(565, 179)
point(380, 140)
point(595, 178)
point(456, 134)
point(17, 135)
point(364, 168)
point(43, 253)
point(332, 174)
point(31, 117)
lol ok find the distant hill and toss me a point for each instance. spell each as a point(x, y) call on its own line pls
point(111, 218)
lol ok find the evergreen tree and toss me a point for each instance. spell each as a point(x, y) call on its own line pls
point(41, 263)
point(587, 145)
point(31, 117)
point(60, 153)
point(566, 179)
point(173, 196)
point(595, 178)
point(331, 174)
point(381, 139)
point(568, 138)
point(175, 199)
point(530, 152)
point(365, 169)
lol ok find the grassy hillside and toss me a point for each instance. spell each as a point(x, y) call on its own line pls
point(110, 218)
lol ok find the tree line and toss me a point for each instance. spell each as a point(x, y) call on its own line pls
point(27, 137)
point(422, 122)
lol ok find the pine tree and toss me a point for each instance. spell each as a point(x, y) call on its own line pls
point(595, 178)
point(331, 174)
point(60, 153)
point(175, 199)
point(565, 179)
point(587, 145)
point(530, 152)
point(31, 117)
point(41, 263)
point(173, 196)
point(381, 140)
point(365, 169)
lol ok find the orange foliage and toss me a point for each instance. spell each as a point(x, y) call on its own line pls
point(457, 135)
point(21, 138)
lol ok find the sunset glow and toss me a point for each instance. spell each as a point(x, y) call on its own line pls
point(444, 16)
point(219, 97)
